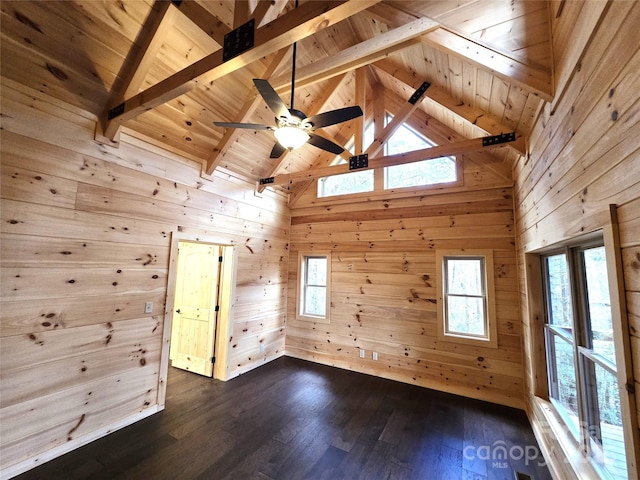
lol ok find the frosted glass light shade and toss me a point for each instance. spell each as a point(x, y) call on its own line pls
point(291, 137)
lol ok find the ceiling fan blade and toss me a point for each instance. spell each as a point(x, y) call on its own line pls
point(277, 151)
point(272, 99)
point(324, 144)
point(248, 126)
point(333, 116)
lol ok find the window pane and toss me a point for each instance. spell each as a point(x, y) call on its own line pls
point(559, 294)
point(599, 303)
point(464, 276)
point(316, 271)
point(426, 172)
point(354, 182)
point(315, 301)
point(613, 454)
point(465, 315)
point(564, 376)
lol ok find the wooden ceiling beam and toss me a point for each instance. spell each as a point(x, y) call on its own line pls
point(528, 77)
point(531, 78)
point(451, 149)
point(205, 20)
point(398, 120)
point(441, 134)
point(241, 12)
point(157, 24)
point(358, 55)
point(281, 32)
point(260, 12)
point(477, 117)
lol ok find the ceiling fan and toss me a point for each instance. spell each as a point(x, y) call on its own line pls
point(293, 128)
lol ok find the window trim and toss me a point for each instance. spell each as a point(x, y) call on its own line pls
point(379, 176)
point(491, 339)
point(609, 235)
point(302, 259)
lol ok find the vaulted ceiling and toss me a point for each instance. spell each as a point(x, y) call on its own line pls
point(488, 63)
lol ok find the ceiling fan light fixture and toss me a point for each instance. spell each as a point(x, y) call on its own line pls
point(291, 137)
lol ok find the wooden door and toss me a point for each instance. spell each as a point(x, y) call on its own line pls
point(195, 307)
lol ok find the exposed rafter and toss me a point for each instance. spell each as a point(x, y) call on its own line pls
point(158, 22)
point(531, 78)
point(208, 23)
point(477, 117)
point(283, 31)
point(359, 55)
point(528, 77)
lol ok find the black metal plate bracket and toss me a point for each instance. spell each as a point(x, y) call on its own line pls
point(267, 181)
point(498, 139)
point(115, 111)
point(358, 161)
point(419, 93)
point(238, 41)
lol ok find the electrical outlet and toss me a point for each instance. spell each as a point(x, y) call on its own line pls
point(148, 307)
point(361, 353)
point(375, 355)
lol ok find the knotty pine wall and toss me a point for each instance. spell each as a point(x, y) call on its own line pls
point(383, 290)
point(86, 233)
point(585, 155)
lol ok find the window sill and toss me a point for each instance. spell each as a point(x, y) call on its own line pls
point(305, 318)
point(570, 456)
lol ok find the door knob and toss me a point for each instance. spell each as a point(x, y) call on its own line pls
point(178, 311)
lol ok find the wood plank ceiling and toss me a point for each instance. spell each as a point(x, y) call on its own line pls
point(488, 63)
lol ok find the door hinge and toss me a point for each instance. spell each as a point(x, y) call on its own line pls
point(213, 359)
point(220, 259)
point(217, 309)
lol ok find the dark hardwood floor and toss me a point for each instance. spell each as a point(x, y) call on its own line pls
point(292, 419)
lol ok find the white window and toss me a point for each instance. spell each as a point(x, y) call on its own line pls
point(466, 294)
point(421, 173)
point(314, 287)
point(358, 181)
point(353, 182)
point(425, 172)
point(581, 355)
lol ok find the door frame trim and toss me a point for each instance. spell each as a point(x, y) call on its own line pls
point(225, 315)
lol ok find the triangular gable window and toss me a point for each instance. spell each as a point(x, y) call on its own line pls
point(426, 172)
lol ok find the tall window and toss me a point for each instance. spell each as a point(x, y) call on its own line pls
point(467, 299)
point(313, 295)
point(580, 351)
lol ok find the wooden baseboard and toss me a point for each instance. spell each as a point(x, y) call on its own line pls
point(60, 450)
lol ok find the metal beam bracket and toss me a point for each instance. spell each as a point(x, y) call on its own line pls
point(419, 93)
point(239, 40)
point(497, 139)
point(115, 111)
point(358, 161)
point(267, 181)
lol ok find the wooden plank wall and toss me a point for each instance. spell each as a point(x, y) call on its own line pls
point(383, 290)
point(585, 156)
point(86, 233)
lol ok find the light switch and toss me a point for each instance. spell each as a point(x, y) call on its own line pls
point(148, 307)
